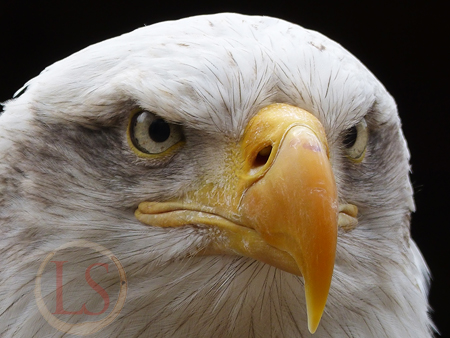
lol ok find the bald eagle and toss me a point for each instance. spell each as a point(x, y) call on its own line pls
point(250, 176)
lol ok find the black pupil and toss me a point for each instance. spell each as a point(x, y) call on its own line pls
point(350, 137)
point(159, 130)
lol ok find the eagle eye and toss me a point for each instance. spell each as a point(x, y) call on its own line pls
point(355, 141)
point(150, 134)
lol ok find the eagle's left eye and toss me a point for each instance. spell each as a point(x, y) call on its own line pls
point(150, 134)
point(355, 141)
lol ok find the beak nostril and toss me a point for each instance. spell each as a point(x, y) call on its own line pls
point(262, 157)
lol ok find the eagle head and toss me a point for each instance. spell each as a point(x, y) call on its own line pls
point(251, 177)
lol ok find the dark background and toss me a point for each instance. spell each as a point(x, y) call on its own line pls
point(404, 44)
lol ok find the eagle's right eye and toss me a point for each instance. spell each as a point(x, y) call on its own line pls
point(150, 134)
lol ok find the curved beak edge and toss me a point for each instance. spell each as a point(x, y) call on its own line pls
point(294, 208)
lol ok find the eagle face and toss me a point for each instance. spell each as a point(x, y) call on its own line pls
point(250, 175)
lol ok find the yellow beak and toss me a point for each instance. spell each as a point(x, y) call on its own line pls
point(276, 202)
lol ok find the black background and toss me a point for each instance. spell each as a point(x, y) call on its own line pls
point(405, 44)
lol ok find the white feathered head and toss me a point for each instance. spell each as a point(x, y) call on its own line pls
point(250, 176)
